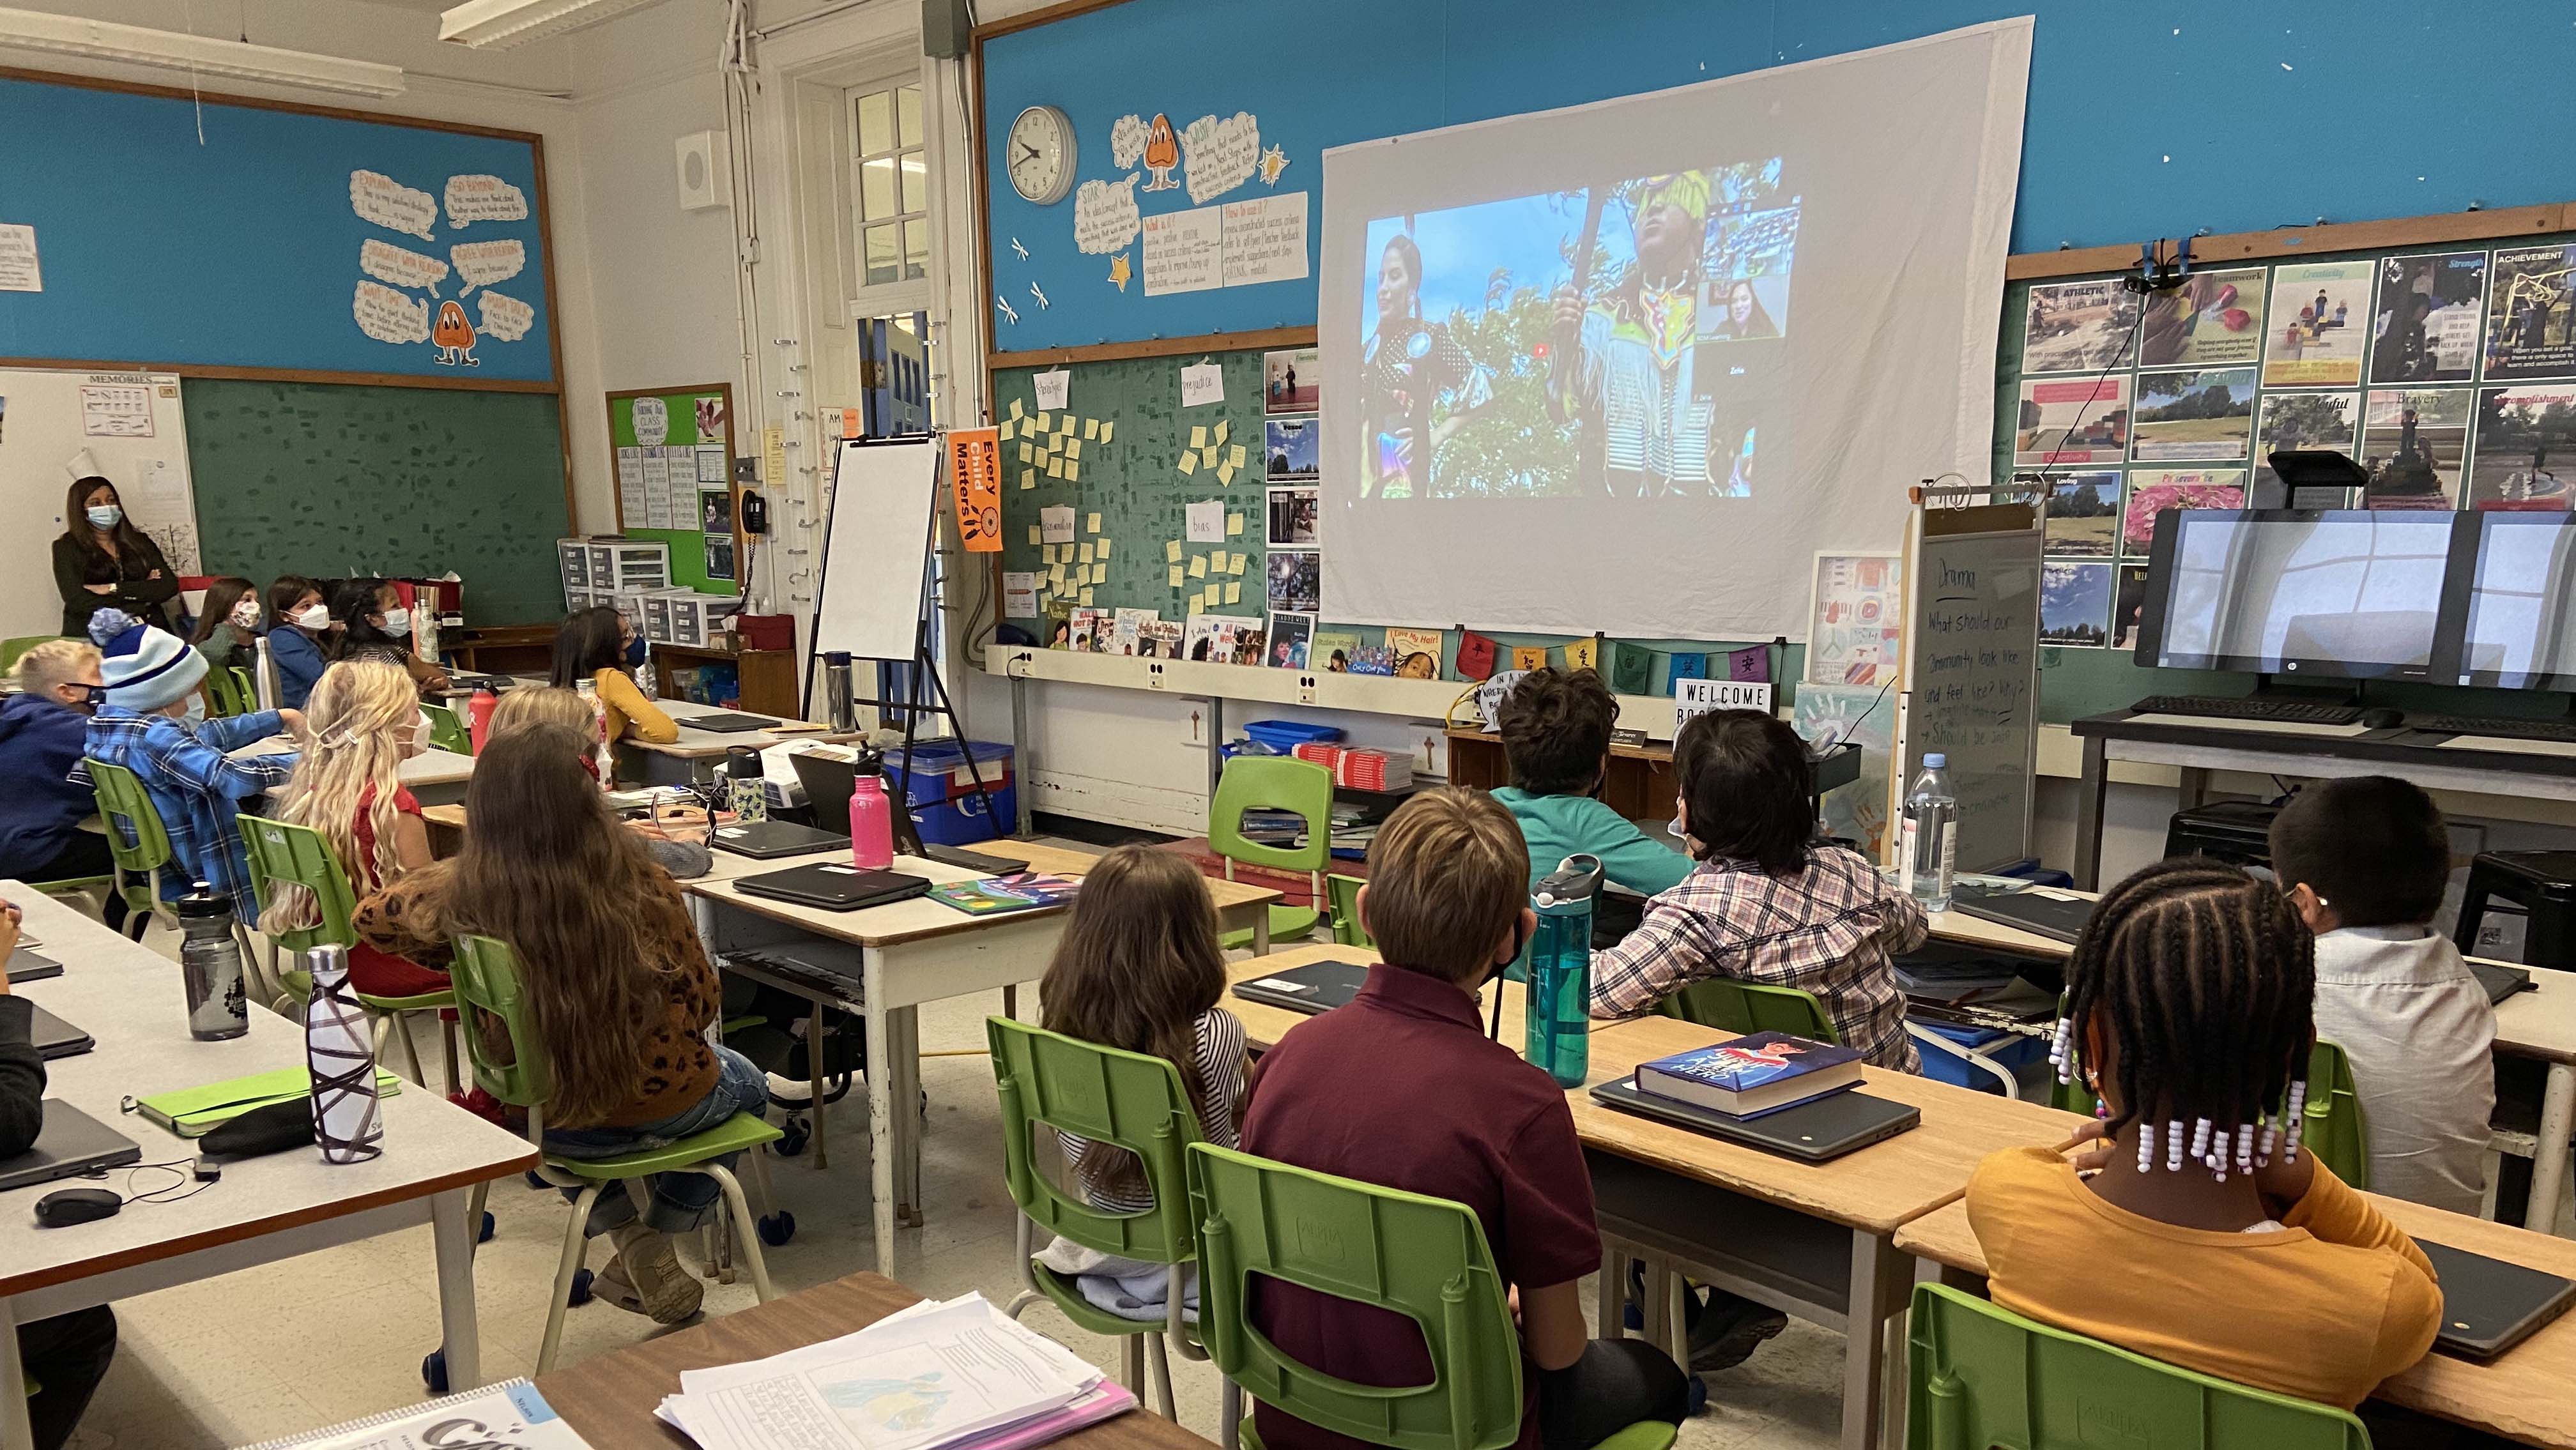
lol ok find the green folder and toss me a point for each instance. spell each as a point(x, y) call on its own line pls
point(194, 1112)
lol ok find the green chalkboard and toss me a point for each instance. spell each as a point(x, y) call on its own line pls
point(332, 480)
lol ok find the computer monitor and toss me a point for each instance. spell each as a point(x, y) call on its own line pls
point(2340, 593)
point(2515, 579)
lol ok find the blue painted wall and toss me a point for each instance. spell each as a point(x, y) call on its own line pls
point(241, 252)
point(2145, 119)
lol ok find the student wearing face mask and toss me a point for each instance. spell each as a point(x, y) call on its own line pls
point(228, 626)
point(43, 729)
point(103, 561)
point(300, 626)
point(154, 724)
point(373, 624)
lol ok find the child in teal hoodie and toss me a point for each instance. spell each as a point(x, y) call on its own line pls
point(1556, 736)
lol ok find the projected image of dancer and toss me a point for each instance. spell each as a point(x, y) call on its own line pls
point(1620, 367)
point(1418, 387)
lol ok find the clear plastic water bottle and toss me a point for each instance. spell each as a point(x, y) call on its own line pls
point(211, 966)
point(1927, 860)
point(1557, 1022)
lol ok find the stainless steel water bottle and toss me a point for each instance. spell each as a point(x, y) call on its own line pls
point(838, 693)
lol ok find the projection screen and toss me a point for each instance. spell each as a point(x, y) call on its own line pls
point(1790, 283)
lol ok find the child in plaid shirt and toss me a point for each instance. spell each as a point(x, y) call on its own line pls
point(1767, 904)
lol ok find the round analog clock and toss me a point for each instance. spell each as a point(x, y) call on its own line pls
point(1040, 154)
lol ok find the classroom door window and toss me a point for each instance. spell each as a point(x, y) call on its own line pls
point(894, 373)
point(893, 184)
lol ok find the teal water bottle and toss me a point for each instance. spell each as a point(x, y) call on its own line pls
point(1558, 1024)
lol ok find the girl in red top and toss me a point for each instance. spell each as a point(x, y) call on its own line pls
point(365, 718)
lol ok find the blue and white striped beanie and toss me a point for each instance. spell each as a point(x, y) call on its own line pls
point(145, 669)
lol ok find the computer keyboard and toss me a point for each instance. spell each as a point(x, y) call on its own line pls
point(2554, 730)
point(2239, 707)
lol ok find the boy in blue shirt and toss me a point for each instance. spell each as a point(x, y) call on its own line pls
point(1556, 736)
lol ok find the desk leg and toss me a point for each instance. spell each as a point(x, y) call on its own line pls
point(453, 1236)
point(2549, 1155)
point(1261, 931)
point(2088, 816)
point(1873, 1265)
point(881, 1129)
point(814, 1083)
point(1011, 1001)
point(16, 1433)
point(909, 1124)
point(1025, 764)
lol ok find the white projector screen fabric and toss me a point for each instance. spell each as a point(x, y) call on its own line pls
point(1792, 285)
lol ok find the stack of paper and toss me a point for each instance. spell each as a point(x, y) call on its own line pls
point(934, 1376)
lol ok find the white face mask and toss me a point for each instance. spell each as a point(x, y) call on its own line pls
point(397, 621)
point(245, 615)
point(315, 618)
point(196, 715)
point(420, 732)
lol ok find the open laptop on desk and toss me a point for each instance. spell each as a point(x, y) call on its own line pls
point(72, 1142)
point(829, 783)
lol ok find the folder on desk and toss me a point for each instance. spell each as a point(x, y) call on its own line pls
point(197, 1111)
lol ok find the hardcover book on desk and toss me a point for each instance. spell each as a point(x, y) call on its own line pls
point(1762, 1073)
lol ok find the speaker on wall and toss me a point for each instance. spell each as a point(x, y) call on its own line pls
point(700, 157)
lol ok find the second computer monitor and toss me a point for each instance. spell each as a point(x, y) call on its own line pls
point(2520, 600)
point(2352, 594)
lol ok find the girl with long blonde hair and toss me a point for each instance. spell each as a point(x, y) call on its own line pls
point(366, 720)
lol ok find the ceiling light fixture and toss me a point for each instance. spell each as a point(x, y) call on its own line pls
point(499, 24)
point(202, 54)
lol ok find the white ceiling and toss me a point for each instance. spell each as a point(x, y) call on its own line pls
point(427, 7)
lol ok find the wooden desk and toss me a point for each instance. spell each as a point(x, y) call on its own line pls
point(2529, 1394)
point(610, 1399)
point(765, 679)
point(433, 776)
point(500, 649)
point(1263, 1024)
point(264, 1209)
point(681, 762)
point(898, 957)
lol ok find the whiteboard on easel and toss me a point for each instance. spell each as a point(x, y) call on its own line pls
point(57, 426)
point(1971, 682)
point(876, 553)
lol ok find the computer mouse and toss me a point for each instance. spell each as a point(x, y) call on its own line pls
point(67, 1206)
point(2380, 717)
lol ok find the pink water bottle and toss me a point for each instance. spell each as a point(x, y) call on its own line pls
point(871, 825)
point(478, 715)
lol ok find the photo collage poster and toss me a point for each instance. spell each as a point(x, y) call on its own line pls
point(2450, 374)
point(1292, 392)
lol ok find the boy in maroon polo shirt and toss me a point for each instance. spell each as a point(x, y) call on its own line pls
point(1402, 1088)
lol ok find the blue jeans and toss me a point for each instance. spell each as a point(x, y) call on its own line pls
point(678, 1201)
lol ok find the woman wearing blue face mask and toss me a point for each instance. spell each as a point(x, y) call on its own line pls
point(103, 561)
point(375, 625)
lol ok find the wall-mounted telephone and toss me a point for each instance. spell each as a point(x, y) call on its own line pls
point(755, 513)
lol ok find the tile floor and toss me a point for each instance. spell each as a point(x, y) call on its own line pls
point(303, 1344)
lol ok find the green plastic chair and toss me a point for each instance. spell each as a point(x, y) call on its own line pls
point(1733, 1006)
point(1342, 893)
point(486, 972)
point(2332, 1124)
point(245, 686)
point(284, 853)
point(1130, 1100)
point(223, 700)
point(136, 841)
point(1981, 1376)
point(12, 649)
point(1275, 782)
point(1424, 1258)
point(446, 732)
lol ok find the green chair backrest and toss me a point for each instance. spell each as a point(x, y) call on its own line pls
point(485, 974)
point(135, 837)
point(1733, 1006)
point(283, 854)
point(2333, 1126)
point(1273, 782)
point(1344, 894)
point(1424, 1258)
point(1980, 1376)
point(224, 699)
point(11, 649)
point(1130, 1100)
point(446, 732)
point(245, 685)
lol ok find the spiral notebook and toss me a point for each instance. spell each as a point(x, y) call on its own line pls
point(511, 1413)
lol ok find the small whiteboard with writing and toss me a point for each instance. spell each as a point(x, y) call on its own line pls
point(1972, 671)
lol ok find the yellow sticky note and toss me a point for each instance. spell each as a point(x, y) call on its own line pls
point(1092, 526)
point(1198, 436)
point(1177, 573)
point(1198, 566)
point(1026, 452)
point(1225, 474)
point(1037, 535)
point(1218, 434)
point(1086, 599)
point(1028, 478)
point(1055, 576)
point(1171, 550)
point(1082, 553)
point(1073, 448)
point(1233, 593)
point(1065, 424)
point(1046, 554)
point(1090, 427)
point(1009, 427)
point(1055, 468)
point(1099, 573)
point(1189, 464)
point(1197, 608)
point(1073, 473)
point(1207, 455)
point(1107, 427)
point(1015, 407)
point(1234, 526)
point(1237, 455)
point(1234, 565)
point(1104, 550)
point(1210, 596)
point(1043, 421)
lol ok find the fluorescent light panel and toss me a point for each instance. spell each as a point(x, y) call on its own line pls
point(499, 24)
point(203, 54)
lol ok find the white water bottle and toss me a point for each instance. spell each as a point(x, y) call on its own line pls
point(1927, 858)
point(340, 1052)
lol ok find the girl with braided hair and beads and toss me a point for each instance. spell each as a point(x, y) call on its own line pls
point(2191, 1226)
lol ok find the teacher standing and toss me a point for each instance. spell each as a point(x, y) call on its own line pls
point(103, 560)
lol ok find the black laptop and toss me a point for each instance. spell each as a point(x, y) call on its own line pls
point(71, 1142)
point(1816, 1131)
point(833, 886)
point(2500, 981)
point(27, 966)
point(768, 840)
point(1313, 988)
point(2488, 1305)
point(54, 1037)
point(725, 722)
point(2059, 918)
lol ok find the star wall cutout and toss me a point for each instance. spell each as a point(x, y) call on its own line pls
point(1120, 271)
point(1273, 161)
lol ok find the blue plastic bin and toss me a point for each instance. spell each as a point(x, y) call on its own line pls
point(1284, 736)
point(2010, 1050)
point(962, 822)
point(936, 770)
